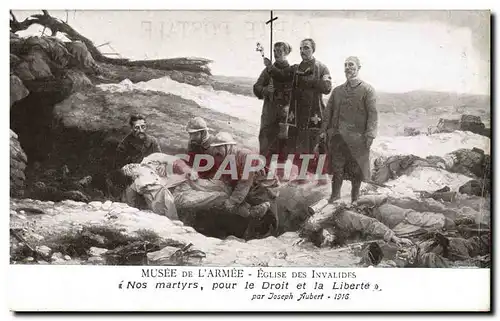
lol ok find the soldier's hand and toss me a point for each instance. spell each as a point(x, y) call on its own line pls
point(400, 241)
point(267, 62)
point(270, 88)
point(368, 141)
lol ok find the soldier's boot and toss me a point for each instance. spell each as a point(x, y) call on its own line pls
point(356, 185)
point(337, 181)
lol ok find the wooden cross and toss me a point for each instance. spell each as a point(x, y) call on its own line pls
point(270, 21)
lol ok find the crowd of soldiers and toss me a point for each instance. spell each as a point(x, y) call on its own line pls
point(294, 122)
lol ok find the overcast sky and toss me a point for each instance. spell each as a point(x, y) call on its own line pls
point(399, 51)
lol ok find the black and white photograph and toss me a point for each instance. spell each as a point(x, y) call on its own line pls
point(353, 139)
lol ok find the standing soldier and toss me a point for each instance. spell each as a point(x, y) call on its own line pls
point(350, 127)
point(312, 81)
point(276, 92)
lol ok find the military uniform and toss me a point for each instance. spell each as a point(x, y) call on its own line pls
point(351, 117)
point(132, 150)
point(201, 149)
point(307, 107)
point(275, 106)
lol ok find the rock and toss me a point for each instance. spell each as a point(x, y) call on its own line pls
point(448, 125)
point(231, 238)
point(96, 260)
point(37, 237)
point(81, 56)
point(410, 131)
point(57, 256)
point(17, 89)
point(41, 262)
point(128, 210)
point(18, 159)
point(77, 80)
point(107, 205)
point(22, 212)
point(432, 130)
point(72, 203)
point(14, 213)
point(472, 123)
point(49, 203)
point(14, 61)
point(37, 62)
point(58, 262)
point(281, 255)
point(189, 229)
point(96, 205)
point(85, 181)
point(469, 162)
point(388, 263)
point(23, 71)
point(163, 256)
point(118, 206)
point(97, 251)
point(476, 187)
point(76, 196)
point(29, 259)
point(44, 250)
point(177, 223)
point(67, 257)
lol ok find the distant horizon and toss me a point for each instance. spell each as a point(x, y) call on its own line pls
point(379, 91)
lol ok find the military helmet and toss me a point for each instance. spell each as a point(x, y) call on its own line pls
point(196, 124)
point(222, 138)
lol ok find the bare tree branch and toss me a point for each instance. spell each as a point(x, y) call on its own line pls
point(13, 17)
point(58, 25)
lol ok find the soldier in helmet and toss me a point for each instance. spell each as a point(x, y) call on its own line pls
point(199, 143)
point(252, 194)
point(199, 135)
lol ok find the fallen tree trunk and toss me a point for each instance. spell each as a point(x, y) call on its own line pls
point(57, 25)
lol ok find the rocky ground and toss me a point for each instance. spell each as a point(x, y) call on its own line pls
point(113, 233)
point(72, 232)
